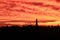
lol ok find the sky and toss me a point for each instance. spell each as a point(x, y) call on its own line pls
point(47, 12)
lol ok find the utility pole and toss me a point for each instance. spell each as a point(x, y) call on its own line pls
point(36, 25)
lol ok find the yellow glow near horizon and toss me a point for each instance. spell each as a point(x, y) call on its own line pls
point(28, 11)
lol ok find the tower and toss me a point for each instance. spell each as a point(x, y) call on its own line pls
point(36, 25)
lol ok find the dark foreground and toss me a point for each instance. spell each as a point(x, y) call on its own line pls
point(42, 32)
point(41, 29)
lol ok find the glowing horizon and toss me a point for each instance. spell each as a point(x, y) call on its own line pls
point(46, 11)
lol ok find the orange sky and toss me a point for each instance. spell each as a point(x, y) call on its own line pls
point(28, 10)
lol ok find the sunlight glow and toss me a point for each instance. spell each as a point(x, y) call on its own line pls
point(29, 10)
